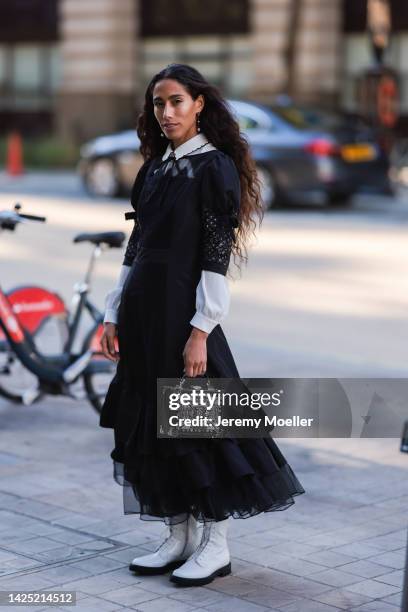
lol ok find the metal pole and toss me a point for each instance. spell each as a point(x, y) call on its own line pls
point(404, 602)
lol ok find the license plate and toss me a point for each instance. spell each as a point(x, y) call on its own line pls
point(358, 152)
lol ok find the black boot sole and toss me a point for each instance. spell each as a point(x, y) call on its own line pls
point(222, 571)
point(151, 571)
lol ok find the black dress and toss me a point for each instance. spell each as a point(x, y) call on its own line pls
point(186, 211)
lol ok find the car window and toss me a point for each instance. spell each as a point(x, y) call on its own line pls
point(294, 116)
point(312, 118)
point(322, 119)
point(247, 123)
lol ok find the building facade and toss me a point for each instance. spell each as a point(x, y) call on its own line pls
point(80, 67)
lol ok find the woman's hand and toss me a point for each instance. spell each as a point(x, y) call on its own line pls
point(108, 342)
point(195, 353)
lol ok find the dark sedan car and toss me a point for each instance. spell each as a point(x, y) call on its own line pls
point(302, 155)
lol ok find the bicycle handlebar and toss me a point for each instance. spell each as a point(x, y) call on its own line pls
point(10, 218)
point(32, 217)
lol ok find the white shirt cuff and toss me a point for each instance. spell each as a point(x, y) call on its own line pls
point(111, 316)
point(112, 299)
point(212, 301)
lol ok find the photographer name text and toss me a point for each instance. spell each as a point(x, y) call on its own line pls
point(206, 421)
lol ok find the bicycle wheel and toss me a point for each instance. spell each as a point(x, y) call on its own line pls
point(15, 379)
point(99, 372)
point(43, 316)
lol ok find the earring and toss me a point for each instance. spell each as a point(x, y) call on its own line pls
point(198, 122)
point(162, 134)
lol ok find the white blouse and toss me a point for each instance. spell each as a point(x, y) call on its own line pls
point(212, 293)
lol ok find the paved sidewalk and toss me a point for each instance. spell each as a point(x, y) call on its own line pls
point(340, 547)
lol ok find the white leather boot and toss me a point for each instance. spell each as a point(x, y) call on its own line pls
point(181, 542)
point(210, 559)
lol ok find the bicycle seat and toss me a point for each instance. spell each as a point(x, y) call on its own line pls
point(112, 239)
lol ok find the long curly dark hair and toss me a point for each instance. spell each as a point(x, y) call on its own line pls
point(222, 130)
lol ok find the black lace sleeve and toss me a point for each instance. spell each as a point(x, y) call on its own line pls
point(131, 247)
point(221, 196)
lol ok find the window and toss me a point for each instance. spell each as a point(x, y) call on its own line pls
point(224, 60)
point(29, 76)
point(27, 72)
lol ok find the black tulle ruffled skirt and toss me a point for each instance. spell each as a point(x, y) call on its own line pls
point(223, 478)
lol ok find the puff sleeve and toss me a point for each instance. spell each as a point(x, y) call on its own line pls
point(220, 202)
point(221, 195)
point(131, 247)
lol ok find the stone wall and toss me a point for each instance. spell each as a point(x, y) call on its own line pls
point(318, 52)
point(99, 68)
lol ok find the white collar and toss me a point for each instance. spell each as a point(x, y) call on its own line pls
point(187, 147)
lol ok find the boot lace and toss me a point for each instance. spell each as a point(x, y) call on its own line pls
point(202, 550)
point(168, 542)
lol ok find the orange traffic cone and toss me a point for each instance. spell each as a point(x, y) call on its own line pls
point(14, 162)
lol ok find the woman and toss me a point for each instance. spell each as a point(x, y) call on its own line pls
point(196, 198)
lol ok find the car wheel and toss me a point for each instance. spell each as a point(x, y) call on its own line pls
point(270, 192)
point(101, 178)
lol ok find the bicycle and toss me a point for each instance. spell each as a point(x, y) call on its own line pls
point(26, 311)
